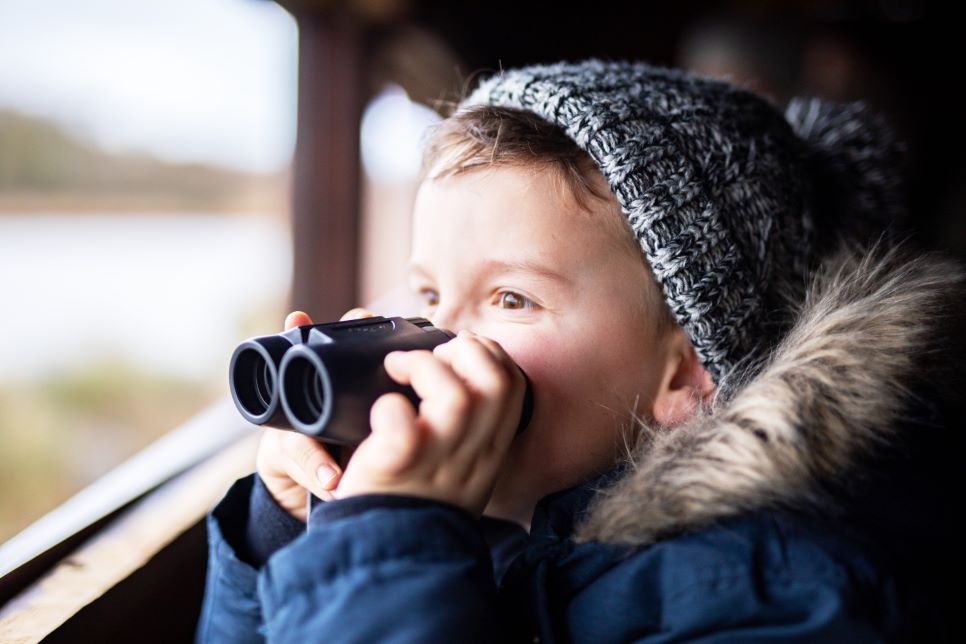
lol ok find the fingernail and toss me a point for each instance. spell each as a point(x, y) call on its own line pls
point(327, 475)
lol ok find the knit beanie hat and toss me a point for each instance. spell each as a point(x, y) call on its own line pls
point(727, 195)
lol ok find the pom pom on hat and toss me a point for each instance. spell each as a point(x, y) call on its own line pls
point(855, 163)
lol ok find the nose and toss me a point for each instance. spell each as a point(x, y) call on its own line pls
point(450, 318)
point(443, 319)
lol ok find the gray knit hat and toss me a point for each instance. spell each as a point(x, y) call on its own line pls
point(718, 185)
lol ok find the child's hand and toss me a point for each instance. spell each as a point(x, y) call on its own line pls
point(452, 449)
point(290, 463)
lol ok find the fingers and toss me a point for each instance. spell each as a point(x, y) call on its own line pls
point(301, 318)
point(357, 313)
point(453, 447)
point(395, 427)
point(446, 401)
point(497, 385)
point(310, 465)
point(389, 451)
point(297, 318)
point(290, 463)
point(470, 389)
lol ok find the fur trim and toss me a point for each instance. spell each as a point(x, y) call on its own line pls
point(831, 392)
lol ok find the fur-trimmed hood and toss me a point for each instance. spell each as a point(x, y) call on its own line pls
point(832, 393)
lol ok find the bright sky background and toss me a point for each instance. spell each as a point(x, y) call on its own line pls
point(186, 80)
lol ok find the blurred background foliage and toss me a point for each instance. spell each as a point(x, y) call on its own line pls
point(61, 433)
point(43, 166)
point(144, 157)
point(62, 428)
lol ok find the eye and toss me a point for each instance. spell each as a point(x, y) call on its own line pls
point(514, 301)
point(430, 296)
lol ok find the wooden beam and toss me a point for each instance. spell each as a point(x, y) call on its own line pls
point(326, 177)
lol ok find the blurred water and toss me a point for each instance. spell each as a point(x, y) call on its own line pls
point(167, 293)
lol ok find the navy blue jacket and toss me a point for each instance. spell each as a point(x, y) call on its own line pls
point(396, 569)
point(816, 504)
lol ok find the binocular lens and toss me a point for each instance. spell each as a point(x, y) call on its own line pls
point(305, 390)
point(254, 382)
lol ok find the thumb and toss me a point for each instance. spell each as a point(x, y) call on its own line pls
point(312, 466)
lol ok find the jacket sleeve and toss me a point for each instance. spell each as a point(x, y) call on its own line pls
point(230, 611)
point(382, 568)
point(244, 529)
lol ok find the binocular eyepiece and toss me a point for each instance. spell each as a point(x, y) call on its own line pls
point(323, 379)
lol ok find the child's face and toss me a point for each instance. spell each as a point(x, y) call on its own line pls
point(507, 253)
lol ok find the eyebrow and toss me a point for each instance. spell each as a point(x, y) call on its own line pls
point(540, 270)
point(502, 266)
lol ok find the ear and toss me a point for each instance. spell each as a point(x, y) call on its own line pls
point(685, 386)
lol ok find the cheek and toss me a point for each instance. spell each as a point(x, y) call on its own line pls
point(575, 432)
point(593, 385)
point(541, 360)
point(529, 352)
point(572, 384)
point(585, 398)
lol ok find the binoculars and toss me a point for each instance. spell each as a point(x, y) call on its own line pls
point(323, 379)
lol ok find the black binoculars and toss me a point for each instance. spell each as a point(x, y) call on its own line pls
point(322, 379)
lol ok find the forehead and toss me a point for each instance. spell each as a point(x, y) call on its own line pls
point(528, 205)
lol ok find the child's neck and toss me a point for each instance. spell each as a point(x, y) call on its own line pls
point(519, 513)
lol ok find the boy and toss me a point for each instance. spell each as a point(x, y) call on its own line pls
point(634, 240)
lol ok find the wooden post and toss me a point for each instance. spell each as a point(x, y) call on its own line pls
point(325, 207)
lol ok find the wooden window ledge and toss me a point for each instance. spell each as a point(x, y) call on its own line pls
point(98, 540)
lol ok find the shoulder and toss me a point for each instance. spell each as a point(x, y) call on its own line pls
point(758, 574)
point(782, 549)
point(773, 547)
